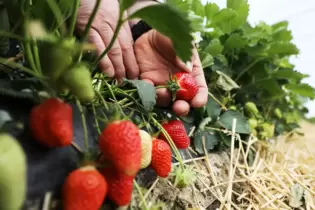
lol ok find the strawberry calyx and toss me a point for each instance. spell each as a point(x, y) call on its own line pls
point(173, 86)
point(183, 177)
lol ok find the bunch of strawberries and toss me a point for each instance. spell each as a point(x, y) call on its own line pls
point(125, 150)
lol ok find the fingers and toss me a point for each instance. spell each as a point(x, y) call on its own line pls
point(181, 108)
point(105, 64)
point(128, 54)
point(115, 53)
point(201, 97)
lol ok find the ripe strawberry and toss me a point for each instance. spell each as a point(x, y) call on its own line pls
point(84, 188)
point(146, 148)
point(51, 123)
point(176, 130)
point(161, 158)
point(119, 186)
point(184, 85)
point(121, 144)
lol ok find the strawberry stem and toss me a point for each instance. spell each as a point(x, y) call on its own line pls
point(85, 132)
point(216, 100)
point(170, 141)
point(141, 195)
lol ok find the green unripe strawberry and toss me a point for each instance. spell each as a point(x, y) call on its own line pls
point(12, 173)
point(252, 123)
point(254, 132)
point(232, 108)
point(278, 113)
point(268, 130)
point(56, 57)
point(78, 80)
point(146, 148)
point(251, 109)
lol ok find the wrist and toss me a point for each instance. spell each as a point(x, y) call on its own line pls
point(139, 4)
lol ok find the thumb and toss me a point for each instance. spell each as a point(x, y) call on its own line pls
point(165, 48)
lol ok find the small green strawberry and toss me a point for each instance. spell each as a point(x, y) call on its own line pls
point(278, 113)
point(252, 123)
point(78, 80)
point(251, 109)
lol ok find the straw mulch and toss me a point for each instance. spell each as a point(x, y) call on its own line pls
point(281, 176)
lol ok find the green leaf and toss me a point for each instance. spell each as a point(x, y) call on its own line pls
point(214, 48)
point(226, 120)
point(147, 93)
point(211, 140)
point(289, 74)
point(211, 9)
point(213, 109)
point(241, 7)
point(283, 49)
point(235, 41)
point(125, 4)
point(223, 19)
point(172, 23)
point(302, 90)
point(225, 82)
point(197, 7)
point(270, 85)
point(206, 59)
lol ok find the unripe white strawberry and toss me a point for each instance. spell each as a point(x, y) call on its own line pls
point(146, 148)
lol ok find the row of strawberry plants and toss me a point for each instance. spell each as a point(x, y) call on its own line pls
point(247, 69)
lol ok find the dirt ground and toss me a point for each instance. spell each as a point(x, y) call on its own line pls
point(201, 196)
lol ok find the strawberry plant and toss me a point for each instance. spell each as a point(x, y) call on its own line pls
point(248, 72)
point(247, 68)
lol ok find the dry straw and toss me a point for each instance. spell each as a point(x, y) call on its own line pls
point(281, 176)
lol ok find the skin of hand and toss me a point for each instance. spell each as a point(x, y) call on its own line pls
point(156, 58)
point(120, 61)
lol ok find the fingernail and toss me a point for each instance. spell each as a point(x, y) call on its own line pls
point(189, 65)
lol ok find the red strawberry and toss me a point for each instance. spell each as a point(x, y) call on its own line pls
point(84, 188)
point(119, 186)
point(176, 130)
point(185, 86)
point(51, 123)
point(161, 158)
point(120, 143)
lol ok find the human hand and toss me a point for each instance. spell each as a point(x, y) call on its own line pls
point(120, 61)
point(156, 58)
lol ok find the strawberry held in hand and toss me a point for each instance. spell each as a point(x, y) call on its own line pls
point(161, 158)
point(84, 188)
point(183, 85)
point(176, 130)
point(121, 144)
point(51, 123)
point(119, 186)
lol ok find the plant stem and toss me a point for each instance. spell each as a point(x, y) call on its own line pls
point(96, 121)
point(36, 57)
point(85, 132)
point(112, 41)
point(29, 56)
point(247, 68)
point(58, 14)
point(170, 141)
point(216, 100)
point(91, 19)
point(74, 15)
point(141, 195)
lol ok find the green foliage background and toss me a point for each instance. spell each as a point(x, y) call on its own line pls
point(242, 63)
